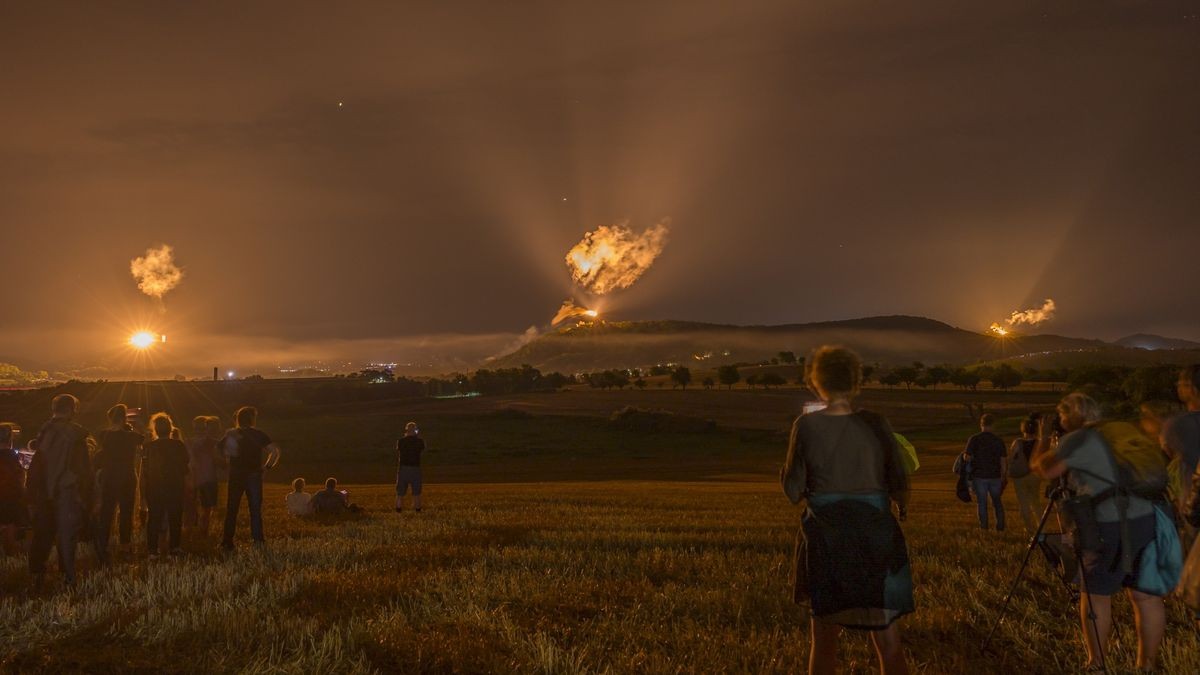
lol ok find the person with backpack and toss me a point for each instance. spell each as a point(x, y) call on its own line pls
point(1115, 526)
point(59, 489)
point(989, 470)
point(1026, 483)
point(165, 471)
point(250, 452)
point(847, 469)
point(116, 467)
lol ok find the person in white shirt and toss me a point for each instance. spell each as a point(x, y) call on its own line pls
point(297, 499)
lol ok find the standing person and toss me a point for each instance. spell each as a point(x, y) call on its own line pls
point(989, 465)
point(116, 467)
point(408, 474)
point(1181, 438)
point(1086, 458)
point(203, 461)
point(12, 490)
point(165, 472)
point(1026, 483)
point(250, 451)
point(848, 469)
point(60, 489)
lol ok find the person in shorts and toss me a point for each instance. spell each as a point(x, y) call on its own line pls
point(1084, 456)
point(408, 475)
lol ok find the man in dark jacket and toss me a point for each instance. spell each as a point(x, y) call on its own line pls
point(59, 488)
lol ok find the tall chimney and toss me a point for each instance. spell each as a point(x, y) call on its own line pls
point(214, 373)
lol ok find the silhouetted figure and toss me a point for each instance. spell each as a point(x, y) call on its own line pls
point(989, 470)
point(1026, 483)
point(250, 451)
point(60, 489)
point(165, 471)
point(330, 501)
point(116, 468)
point(13, 514)
point(298, 501)
point(408, 474)
point(204, 462)
point(1085, 456)
point(851, 561)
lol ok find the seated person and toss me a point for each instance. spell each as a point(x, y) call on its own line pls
point(298, 501)
point(330, 501)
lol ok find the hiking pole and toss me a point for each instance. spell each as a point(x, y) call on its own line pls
point(1033, 544)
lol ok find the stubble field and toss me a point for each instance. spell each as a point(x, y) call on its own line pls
point(652, 551)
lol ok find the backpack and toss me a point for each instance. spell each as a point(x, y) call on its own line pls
point(1141, 466)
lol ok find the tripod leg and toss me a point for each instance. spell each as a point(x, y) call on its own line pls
point(1033, 543)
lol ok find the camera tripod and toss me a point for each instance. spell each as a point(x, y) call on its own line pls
point(1064, 571)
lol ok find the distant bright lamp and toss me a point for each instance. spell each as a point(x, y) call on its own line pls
point(143, 339)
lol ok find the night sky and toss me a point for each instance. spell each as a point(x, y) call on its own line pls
point(817, 161)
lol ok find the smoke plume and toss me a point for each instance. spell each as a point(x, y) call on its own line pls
point(156, 272)
point(1033, 317)
point(570, 310)
point(612, 257)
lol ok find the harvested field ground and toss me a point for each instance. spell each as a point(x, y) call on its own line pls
point(553, 543)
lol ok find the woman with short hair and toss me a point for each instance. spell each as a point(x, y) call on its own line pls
point(1085, 456)
point(846, 467)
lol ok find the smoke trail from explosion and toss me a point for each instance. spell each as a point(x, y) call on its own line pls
point(1033, 317)
point(570, 310)
point(612, 257)
point(156, 272)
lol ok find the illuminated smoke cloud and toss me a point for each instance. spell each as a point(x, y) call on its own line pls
point(156, 272)
point(1033, 317)
point(612, 257)
point(570, 310)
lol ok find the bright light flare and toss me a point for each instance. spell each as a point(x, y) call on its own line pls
point(144, 339)
point(998, 330)
point(592, 313)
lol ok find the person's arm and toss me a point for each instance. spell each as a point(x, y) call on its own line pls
point(1051, 464)
point(792, 475)
point(967, 451)
point(897, 478)
point(1193, 511)
point(272, 458)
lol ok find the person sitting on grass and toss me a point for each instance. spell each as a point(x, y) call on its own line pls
point(332, 501)
point(299, 502)
point(847, 467)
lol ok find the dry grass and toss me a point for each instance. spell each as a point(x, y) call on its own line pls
point(548, 578)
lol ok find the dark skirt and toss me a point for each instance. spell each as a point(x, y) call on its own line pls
point(852, 562)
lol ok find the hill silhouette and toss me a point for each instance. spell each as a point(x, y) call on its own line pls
point(883, 339)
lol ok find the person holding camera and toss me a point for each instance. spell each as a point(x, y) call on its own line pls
point(1085, 457)
point(1026, 483)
